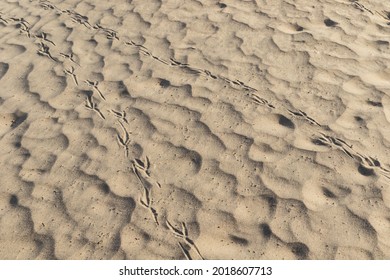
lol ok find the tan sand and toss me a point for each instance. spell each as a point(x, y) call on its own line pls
point(173, 129)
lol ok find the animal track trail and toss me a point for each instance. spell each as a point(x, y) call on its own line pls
point(385, 15)
point(43, 37)
point(186, 253)
point(47, 6)
point(360, 6)
point(203, 72)
point(325, 140)
point(235, 83)
point(20, 21)
point(2, 19)
point(22, 24)
point(144, 167)
point(90, 105)
point(78, 18)
point(120, 115)
point(69, 57)
point(136, 173)
point(147, 203)
point(177, 63)
point(44, 50)
point(71, 73)
point(183, 234)
point(367, 164)
point(25, 30)
point(109, 33)
point(112, 34)
point(94, 85)
point(303, 115)
point(124, 140)
point(261, 101)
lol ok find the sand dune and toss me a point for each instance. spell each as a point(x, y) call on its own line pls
point(194, 129)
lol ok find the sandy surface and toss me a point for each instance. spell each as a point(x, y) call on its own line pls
point(173, 129)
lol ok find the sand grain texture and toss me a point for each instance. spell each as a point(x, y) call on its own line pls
point(194, 129)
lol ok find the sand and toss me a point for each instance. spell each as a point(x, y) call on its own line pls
point(174, 129)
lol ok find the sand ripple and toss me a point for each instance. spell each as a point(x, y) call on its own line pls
point(194, 129)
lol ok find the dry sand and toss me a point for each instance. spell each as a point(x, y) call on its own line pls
point(167, 129)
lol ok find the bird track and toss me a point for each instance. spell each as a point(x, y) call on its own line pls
point(183, 234)
point(90, 105)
